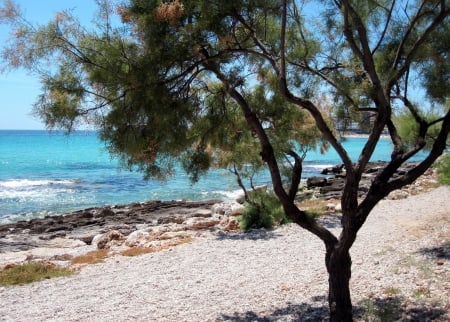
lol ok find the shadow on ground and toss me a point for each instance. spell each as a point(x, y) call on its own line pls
point(394, 308)
point(441, 251)
point(331, 221)
point(256, 234)
point(388, 309)
point(291, 312)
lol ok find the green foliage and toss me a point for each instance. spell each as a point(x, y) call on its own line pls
point(435, 65)
point(196, 162)
point(414, 131)
point(263, 210)
point(31, 272)
point(383, 311)
point(443, 169)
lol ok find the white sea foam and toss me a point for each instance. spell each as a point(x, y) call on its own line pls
point(11, 218)
point(23, 183)
point(38, 192)
point(318, 166)
point(34, 194)
point(228, 195)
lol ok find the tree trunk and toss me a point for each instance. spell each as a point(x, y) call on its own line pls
point(339, 272)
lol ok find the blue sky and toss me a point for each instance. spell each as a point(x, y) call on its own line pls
point(18, 90)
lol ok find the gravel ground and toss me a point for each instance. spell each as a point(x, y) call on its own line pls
point(401, 271)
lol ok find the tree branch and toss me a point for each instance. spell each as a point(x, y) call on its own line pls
point(297, 170)
point(444, 13)
point(409, 30)
point(267, 153)
point(386, 25)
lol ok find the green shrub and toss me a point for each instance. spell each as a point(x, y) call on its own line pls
point(408, 128)
point(31, 272)
point(443, 169)
point(381, 310)
point(263, 211)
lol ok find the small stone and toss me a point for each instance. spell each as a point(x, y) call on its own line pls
point(331, 207)
point(174, 234)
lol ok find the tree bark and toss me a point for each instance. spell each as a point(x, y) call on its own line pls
point(338, 264)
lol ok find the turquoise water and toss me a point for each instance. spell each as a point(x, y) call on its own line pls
point(44, 173)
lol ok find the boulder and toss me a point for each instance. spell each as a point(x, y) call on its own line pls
point(333, 185)
point(337, 169)
point(106, 212)
point(230, 223)
point(111, 238)
point(86, 214)
point(316, 182)
point(226, 208)
point(137, 238)
point(86, 237)
point(398, 194)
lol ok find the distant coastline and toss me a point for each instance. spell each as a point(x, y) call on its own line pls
point(360, 135)
point(347, 134)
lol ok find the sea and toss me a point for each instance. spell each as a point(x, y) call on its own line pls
point(50, 173)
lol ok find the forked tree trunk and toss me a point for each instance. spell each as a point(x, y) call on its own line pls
point(339, 273)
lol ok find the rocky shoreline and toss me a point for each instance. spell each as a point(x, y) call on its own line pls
point(400, 272)
point(157, 223)
point(81, 227)
point(332, 180)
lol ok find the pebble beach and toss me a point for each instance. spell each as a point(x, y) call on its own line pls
point(401, 269)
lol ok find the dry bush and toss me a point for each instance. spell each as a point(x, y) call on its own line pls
point(318, 206)
point(92, 257)
point(136, 251)
point(170, 12)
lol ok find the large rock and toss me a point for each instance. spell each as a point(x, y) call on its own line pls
point(230, 223)
point(106, 212)
point(312, 182)
point(337, 169)
point(137, 238)
point(108, 240)
point(226, 208)
point(332, 187)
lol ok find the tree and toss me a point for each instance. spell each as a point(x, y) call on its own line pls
point(185, 79)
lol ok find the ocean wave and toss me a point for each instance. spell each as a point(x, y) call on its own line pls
point(227, 195)
point(317, 166)
point(11, 218)
point(24, 183)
